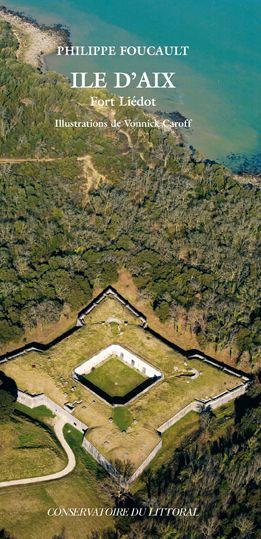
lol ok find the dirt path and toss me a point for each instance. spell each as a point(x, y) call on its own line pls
point(11, 160)
point(127, 135)
point(58, 429)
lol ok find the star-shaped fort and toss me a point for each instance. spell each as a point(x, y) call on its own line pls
point(120, 382)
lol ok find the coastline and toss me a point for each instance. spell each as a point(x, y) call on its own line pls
point(35, 40)
point(39, 40)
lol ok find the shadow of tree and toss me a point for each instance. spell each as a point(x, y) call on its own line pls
point(9, 385)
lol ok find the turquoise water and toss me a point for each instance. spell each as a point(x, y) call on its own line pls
point(217, 84)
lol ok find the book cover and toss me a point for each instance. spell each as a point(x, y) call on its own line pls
point(129, 269)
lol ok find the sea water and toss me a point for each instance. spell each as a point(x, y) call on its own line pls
point(217, 84)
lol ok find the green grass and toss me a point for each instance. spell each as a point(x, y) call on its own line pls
point(40, 412)
point(223, 418)
point(225, 412)
point(29, 448)
point(115, 378)
point(27, 515)
point(175, 436)
point(122, 417)
point(83, 459)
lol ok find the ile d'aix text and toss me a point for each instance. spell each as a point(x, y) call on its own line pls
point(156, 79)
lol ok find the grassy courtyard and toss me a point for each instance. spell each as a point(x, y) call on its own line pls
point(115, 377)
point(51, 373)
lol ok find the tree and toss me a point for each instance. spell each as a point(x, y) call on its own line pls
point(8, 331)
point(206, 418)
point(5, 535)
point(60, 535)
point(124, 469)
point(162, 311)
point(244, 525)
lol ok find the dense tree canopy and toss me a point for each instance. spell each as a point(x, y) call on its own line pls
point(185, 228)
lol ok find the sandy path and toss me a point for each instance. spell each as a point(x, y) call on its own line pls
point(11, 160)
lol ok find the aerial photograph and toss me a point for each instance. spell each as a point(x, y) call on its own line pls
point(130, 164)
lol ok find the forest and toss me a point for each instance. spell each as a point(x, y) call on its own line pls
point(216, 470)
point(187, 231)
point(183, 226)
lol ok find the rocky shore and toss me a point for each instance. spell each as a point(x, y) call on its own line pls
point(35, 41)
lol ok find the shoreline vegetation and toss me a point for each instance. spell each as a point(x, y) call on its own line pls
point(35, 40)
